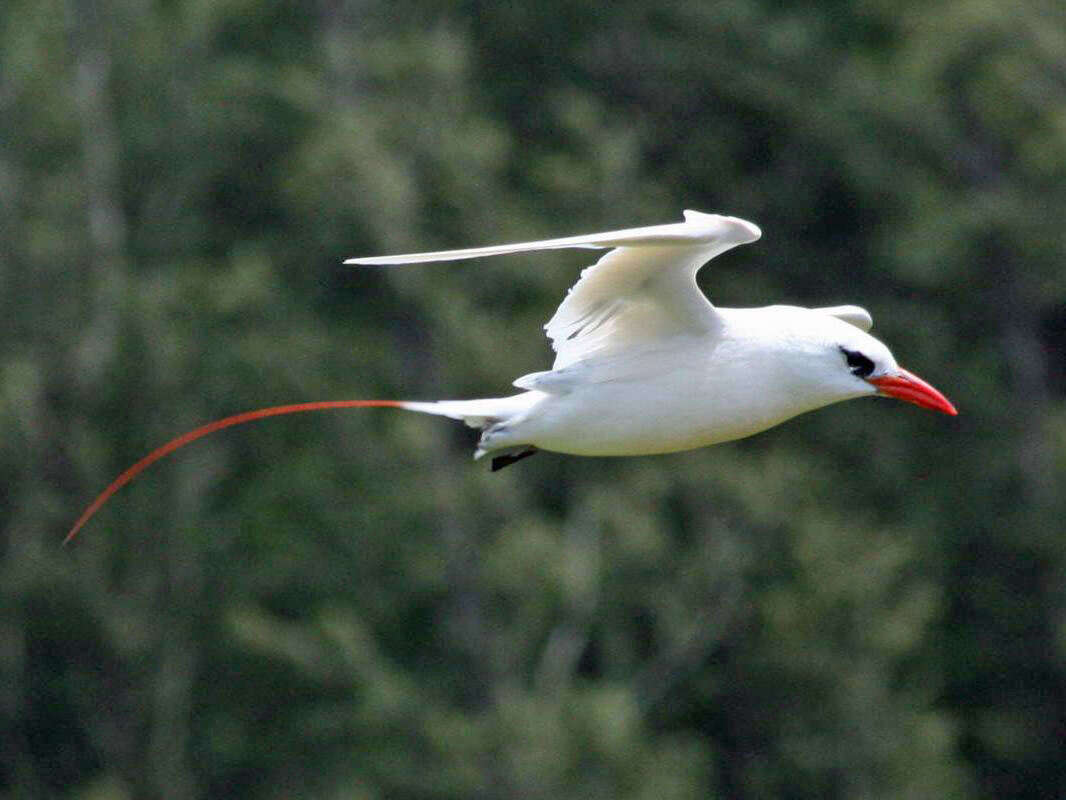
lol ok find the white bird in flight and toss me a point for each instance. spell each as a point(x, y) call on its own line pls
point(644, 362)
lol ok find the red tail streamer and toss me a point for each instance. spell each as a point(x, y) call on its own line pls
point(204, 430)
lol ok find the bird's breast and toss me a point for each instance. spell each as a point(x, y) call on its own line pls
point(663, 405)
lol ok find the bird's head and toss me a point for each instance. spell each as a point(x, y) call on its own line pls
point(858, 364)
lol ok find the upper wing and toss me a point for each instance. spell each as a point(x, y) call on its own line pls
point(644, 289)
point(853, 315)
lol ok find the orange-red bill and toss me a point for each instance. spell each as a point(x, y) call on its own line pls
point(907, 386)
point(204, 430)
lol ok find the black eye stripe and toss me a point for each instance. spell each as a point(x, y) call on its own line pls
point(860, 365)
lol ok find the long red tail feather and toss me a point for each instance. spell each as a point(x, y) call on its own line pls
point(204, 430)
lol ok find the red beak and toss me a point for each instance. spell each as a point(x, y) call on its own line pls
point(909, 387)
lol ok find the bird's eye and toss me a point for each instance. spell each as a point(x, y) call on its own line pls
point(860, 365)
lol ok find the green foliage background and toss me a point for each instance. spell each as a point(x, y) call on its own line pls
point(867, 602)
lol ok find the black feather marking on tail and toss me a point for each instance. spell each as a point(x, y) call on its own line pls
point(499, 462)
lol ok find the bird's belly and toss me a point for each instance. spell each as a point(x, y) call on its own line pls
point(617, 419)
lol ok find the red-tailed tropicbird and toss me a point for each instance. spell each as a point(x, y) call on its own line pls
point(644, 362)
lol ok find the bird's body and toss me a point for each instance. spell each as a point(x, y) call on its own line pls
point(688, 391)
point(645, 363)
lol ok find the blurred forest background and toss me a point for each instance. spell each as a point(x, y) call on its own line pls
point(868, 602)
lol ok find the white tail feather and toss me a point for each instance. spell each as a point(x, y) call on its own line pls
point(478, 413)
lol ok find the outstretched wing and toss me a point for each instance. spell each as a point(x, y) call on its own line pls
point(643, 290)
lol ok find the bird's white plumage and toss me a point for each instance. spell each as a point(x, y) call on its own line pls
point(697, 227)
point(853, 315)
point(642, 291)
point(646, 364)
